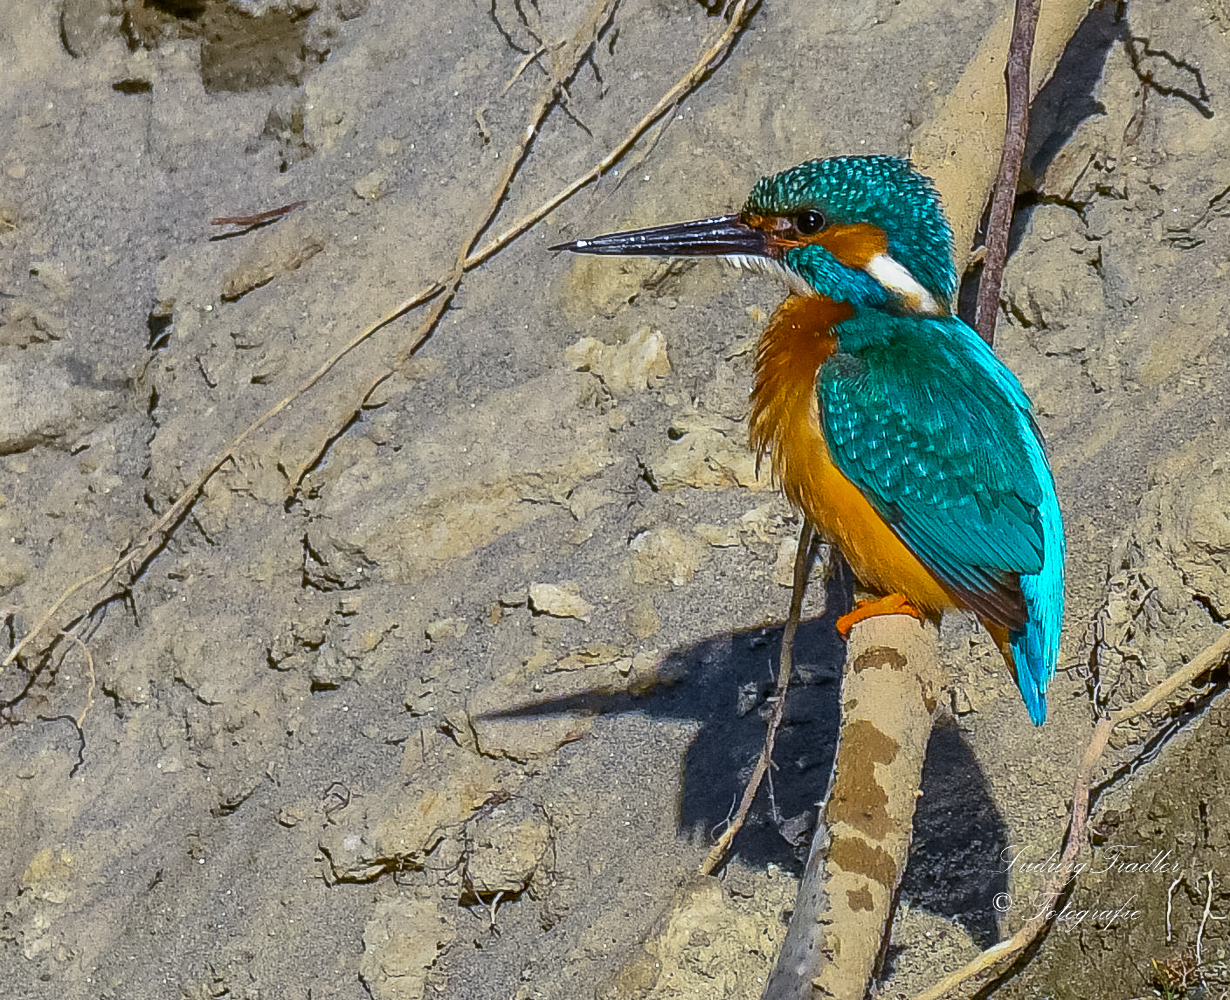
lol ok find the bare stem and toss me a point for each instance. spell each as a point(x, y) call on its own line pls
point(1000, 224)
point(802, 569)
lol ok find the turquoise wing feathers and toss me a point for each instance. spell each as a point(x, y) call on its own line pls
point(938, 436)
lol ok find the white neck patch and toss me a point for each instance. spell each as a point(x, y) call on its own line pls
point(897, 278)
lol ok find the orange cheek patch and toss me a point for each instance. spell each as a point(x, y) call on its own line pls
point(854, 245)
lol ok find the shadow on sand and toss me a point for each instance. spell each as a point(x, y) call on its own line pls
point(725, 684)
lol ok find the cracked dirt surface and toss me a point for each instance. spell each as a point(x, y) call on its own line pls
point(442, 685)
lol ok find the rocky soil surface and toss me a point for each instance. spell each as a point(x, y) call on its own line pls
point(444, 682)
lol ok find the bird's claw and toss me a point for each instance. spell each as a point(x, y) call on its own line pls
point(890, 604)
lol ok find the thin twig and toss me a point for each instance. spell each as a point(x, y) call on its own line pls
point(802, 567)
point(250, 221)
point(1209, 658)
point(1206, 916)
point(157, 534)
point(531, 57)
point(1170, 906)
point(1078, 819)
point(1000, 223)
point(493, 908)
point(713, 57)
point(561, 72)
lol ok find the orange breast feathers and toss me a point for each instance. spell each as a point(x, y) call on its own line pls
point(785, 422)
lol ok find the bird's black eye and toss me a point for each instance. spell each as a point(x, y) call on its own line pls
point(809, 223)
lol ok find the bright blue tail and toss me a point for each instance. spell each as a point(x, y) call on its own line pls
point(1035, 648)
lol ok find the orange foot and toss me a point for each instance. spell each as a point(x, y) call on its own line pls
point(892, 604)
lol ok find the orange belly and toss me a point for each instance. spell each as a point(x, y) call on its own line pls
point(785, 421)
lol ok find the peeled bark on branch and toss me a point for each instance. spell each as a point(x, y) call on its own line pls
point(890, 698)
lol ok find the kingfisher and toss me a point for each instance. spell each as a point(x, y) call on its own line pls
point(888, 421)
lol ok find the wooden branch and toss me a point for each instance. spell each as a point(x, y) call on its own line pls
point(1000, 224)
point(890, 697)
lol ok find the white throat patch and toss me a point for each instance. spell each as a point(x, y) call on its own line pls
point(897, 278)
point(773, 268)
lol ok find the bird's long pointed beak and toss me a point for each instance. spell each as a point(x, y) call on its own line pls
point(718, 237)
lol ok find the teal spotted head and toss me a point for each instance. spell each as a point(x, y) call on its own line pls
point(867, 230)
